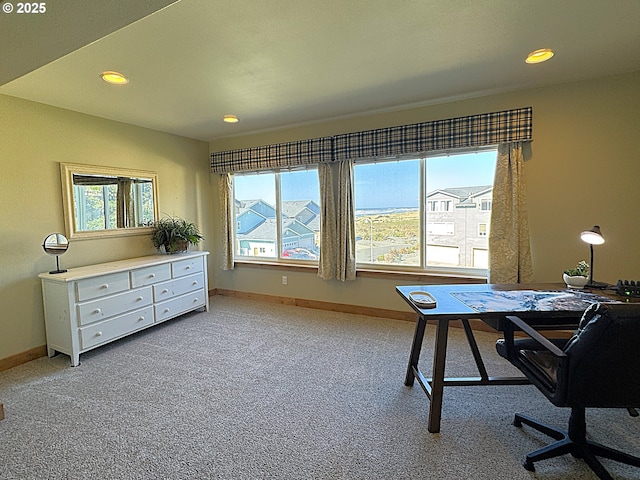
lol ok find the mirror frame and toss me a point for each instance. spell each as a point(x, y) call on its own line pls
point(67, 170)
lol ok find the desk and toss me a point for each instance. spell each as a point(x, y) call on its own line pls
point(451, 306)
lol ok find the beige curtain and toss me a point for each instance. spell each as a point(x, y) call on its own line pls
point(124, 206)
point(509, 246)
point(337, 222)
point(225, 192)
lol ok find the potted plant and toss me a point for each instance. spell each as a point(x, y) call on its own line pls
point(174, 234)
point(577, 277)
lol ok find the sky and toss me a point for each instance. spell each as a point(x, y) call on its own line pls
point(378, 185)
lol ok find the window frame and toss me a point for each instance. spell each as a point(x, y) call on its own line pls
point(421, 270)
point(279, 246)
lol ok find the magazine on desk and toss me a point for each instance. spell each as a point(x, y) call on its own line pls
point(529, 300)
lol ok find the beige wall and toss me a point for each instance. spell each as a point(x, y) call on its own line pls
point(581, 169)
point(34, 138)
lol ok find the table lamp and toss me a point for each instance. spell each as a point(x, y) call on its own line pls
point(593, 237)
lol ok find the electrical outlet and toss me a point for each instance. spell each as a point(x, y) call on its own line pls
point(284, 279)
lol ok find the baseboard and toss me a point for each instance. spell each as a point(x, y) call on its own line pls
point(341, 307)
point(23, 357)
point(320, 305)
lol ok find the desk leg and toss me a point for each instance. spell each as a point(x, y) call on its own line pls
point(415, 351)
point(471, 340)
point(437, 382)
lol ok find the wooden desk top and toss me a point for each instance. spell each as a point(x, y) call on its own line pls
point(451, 308)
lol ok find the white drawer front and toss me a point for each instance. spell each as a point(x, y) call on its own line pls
point(106, 331)
point(179, 286)
point(101, 286)
point(186, 267)
point(179, 305)
point(149, 275)
point(103, 308)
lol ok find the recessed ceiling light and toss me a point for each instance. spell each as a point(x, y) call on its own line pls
point(114, 78)
point(230, 119)
point(539, 56)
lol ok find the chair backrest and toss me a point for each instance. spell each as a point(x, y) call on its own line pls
point(604, 358)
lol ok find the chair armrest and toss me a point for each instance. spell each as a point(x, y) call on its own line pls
point(535, 335)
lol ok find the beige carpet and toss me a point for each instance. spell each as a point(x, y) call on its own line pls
point(263, 391)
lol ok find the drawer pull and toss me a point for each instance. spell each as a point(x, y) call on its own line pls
point(139, 299)
point(97, 310)
point(106, 285)
point(98, 334)
point(195, 300)
point(140, 319)
point(195, 282)
point(188, 267)
point(166, 310)
point(165, 291)
point(153, 275)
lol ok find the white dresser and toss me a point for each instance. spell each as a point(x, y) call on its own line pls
point(87, 307)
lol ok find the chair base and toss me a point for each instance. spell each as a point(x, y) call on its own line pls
point(574, 442)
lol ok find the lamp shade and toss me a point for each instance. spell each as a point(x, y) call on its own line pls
point(593, 236)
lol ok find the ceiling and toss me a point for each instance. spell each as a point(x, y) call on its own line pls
point(278, 63)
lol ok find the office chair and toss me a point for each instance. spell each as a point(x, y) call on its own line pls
point(598, 367)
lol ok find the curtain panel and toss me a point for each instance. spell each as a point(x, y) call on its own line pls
point(225, 191)
point(509, 244)
point(472, 131)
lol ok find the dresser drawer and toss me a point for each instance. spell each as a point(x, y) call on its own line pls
point(186, 267)
point(103, 308)
point(149, 275)
point(178, 305)
point(101, 286)
point(179, 286)
point(105, 331)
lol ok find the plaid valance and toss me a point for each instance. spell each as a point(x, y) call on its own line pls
point(462, 132)
point(474, 131)
point(281, 155)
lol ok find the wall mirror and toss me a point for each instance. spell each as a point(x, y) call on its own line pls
point(107, 201)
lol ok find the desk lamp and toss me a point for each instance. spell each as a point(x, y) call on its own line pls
point(593, 237)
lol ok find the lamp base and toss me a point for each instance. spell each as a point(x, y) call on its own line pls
point(599, 285)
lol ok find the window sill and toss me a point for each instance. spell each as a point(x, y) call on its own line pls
point(417, 277)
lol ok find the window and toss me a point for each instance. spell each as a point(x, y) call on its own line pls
point(428, 214)
point(387, 212)
point(277, 215)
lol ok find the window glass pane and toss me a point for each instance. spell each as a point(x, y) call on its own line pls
point(143, 203)
point(255, 215)
point(95, 207)
point(300, 214)
point(387, 196)
point(458, 197)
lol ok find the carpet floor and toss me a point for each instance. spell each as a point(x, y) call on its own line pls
point(255, 390)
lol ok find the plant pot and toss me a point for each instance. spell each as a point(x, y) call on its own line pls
point(176, 247)
point(574, 281)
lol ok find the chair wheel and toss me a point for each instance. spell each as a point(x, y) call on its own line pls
point(528, 466)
